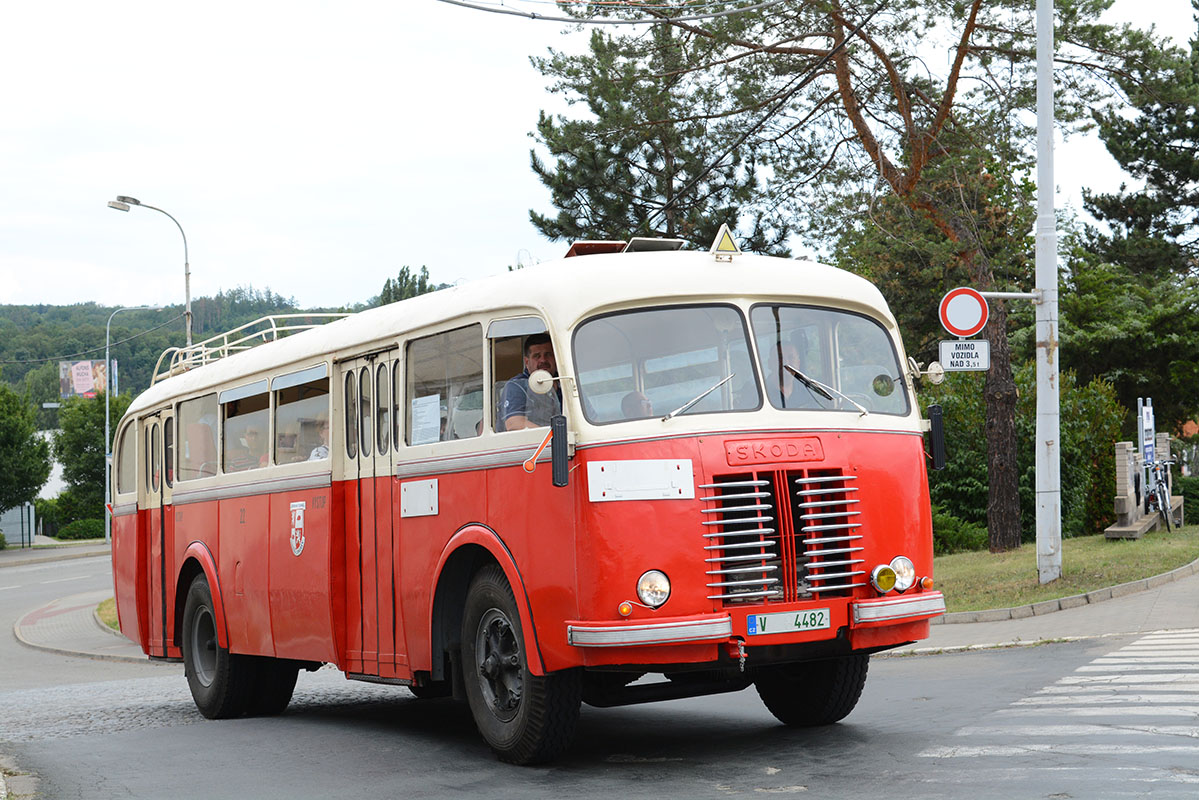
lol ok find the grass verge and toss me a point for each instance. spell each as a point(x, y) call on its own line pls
point(107, 612)
point(982, 580)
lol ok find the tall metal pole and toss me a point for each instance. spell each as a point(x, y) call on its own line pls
point(1048, 456)
point(122, 203)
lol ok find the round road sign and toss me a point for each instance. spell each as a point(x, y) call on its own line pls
point(964, 312)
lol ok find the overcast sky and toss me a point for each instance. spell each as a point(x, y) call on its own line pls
point(310, 147)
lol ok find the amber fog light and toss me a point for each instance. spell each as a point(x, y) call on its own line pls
point(905, 573)
point(653, 588)
point(882, 578)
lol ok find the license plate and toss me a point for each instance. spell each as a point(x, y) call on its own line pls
point(812, 619)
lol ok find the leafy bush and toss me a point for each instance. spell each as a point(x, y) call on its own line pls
point(1091, 418)
point(3, 543)
point(1188, 487)
point(83, 529)
point(952, 535)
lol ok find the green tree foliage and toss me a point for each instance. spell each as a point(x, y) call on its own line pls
point(24, 456)
point(634, 165)
point(407, 284)
point(1131, 306)
point(1091, 417)
point(79, 447)
point(34, 332)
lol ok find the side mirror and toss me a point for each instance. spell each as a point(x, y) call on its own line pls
point(937, 434)
point(540, 381)
point(560, 469)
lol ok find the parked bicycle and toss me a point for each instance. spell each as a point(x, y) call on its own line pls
point(1158, 496)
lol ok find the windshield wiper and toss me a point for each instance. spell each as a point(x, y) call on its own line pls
point(699, 397)
point(821, 389)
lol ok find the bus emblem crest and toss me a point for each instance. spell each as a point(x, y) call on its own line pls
point(297, 528)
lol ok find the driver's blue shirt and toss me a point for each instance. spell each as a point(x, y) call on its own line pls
point(518, 400)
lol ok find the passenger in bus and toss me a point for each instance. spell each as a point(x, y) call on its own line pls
point(520, 407)
point(256, 443)
point(636, 405)
point(321, 451)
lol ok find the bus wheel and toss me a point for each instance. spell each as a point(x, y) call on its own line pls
point(813, 692)
point(274, 683)
point(525, 718)
point(220, 681)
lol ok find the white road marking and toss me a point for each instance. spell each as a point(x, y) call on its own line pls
point(1130, 687)
point(1063, 748)
point(2, 588)
point(64, 580)
point(1084, 699)
point(1179, 677)
point(1102, 711)
point(1187, 731)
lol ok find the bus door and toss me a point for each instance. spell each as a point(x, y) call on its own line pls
point(371, 541)
point(156, 531)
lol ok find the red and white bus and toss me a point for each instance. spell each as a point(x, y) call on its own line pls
point(734, 493)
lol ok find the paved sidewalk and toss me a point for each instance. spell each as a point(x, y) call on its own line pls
point(69, 626)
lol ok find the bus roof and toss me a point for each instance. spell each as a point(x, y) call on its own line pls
point(565, 291)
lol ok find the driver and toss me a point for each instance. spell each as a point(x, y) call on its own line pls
point(520, 407)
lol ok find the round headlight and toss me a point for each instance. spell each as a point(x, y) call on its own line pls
point(882, 578)
point(905, 572)
point(653, 588)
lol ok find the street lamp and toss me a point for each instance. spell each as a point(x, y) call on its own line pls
point(107, 435)
point(122, 203)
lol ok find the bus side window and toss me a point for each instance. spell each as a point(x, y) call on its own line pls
point(351, 416)
point(168, 456)
point(302, 416)
point(445, 386)
point(197, 433)
point(507, 361)
point(247, 421)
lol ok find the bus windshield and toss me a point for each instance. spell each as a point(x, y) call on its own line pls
point(647, 363)
point(844, 361)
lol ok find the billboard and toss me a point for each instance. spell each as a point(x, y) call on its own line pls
point(81, 378)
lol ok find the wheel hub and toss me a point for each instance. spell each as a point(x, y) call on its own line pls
point(497, 652)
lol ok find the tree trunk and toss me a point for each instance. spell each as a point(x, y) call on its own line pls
point(999, 390)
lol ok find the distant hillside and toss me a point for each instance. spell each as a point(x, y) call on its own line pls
point(31, 333)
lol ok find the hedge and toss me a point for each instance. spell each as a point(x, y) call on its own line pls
point(83, 529)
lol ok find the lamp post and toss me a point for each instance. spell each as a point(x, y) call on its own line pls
point(107, 435)
point(122, 203)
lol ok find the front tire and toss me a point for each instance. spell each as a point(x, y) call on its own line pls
point(815, 692)
point(524, 718)
point(220, 681)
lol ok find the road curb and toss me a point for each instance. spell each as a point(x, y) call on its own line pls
point(1073, 601)
point(61, 651)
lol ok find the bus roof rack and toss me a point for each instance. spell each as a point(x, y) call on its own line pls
point(243, 337)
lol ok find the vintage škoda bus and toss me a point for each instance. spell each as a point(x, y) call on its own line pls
point(734, 492)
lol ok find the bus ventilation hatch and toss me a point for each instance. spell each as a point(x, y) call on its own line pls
point(758, 549)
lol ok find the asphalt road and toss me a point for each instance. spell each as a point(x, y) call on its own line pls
point(1112, 717)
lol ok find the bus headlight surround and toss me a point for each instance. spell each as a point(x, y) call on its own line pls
point(653, 588)
point(882, 578)
point(905, 573)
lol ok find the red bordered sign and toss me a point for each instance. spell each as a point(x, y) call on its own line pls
point(964, 312)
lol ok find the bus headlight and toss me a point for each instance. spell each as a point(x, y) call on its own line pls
point(653, 588)
point(882, 578)
point(905, 573)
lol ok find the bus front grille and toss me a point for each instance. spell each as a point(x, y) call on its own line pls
point(759, 549)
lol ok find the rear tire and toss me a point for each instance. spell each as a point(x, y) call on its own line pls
point(220, 681)
point(524, 718)
point(274, 684)
point(814, 692)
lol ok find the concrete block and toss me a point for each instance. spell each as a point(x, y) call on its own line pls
point(1021, 612)
point(1045, 607)
point(1125, 589)
point(1099, 595)
point(1074, 601)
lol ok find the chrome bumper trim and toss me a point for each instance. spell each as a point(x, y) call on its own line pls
point(931, 604)
point(662, 633)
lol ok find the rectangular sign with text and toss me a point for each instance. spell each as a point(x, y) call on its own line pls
point(966, 355)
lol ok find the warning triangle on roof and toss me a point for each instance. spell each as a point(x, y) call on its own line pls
point(725, 247)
